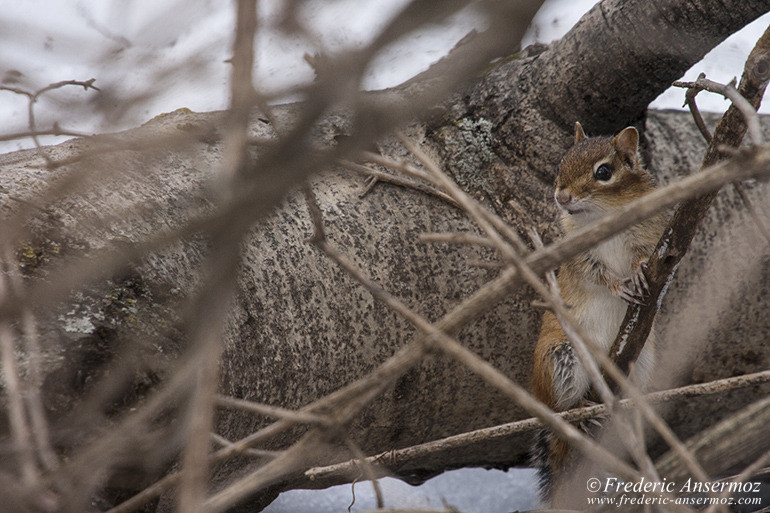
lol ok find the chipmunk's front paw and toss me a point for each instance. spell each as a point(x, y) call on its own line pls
point(635, 288)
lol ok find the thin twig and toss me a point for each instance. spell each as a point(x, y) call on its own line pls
point(500, 226)
point(256, 453)
point(731, 93)
point(212, 307)
point(457, 238)
point(366, 467)
point(520, 211)
point(271, 411)
point(690, 102)
point(393, 460)
point(541, 305)
point(37, 415)
point(32, 98)
point(56, 130)
point(379, 176)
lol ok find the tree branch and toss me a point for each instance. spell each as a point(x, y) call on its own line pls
point(677, 236)
point(390, 462)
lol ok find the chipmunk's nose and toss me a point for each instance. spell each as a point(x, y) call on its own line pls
point(563, 198)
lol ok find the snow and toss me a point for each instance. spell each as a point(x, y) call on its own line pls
point(160, 55)
point(477, 490)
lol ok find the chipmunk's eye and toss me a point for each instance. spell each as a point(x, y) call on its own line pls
point(603, 172)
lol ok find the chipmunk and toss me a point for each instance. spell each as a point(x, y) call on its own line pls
point(597, 176)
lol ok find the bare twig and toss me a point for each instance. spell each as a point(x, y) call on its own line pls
point(255, 453)
point(56, 130)
point(540, 304)
point(367, 469)
point(17, 417)
point(20, 432)
point(690, 101)
point(393, 460)
point(379, 176)
point(498, 224)
point(271, 411)
point(731, 93)
point(37, 414)
point(457, 238)
point(677, 236)
point(192, 488)
point(32, 98)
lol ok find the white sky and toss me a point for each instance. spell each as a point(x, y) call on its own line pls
point(142, 50)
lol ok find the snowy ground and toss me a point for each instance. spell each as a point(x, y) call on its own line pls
point(473, 490)
point(160, 55)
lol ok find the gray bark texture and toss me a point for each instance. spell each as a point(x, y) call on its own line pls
point(300, 328)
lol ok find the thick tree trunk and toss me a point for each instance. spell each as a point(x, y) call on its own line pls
point(300, 328)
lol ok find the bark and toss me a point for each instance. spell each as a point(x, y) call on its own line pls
point(299, 328)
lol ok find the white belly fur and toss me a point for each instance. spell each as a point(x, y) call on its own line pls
point(601, 315)
point(616, 254)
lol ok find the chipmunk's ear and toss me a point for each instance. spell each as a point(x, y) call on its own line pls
point(626, 143)
point(579, 134)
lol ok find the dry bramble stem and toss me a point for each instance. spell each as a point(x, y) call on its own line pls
point(32, 98)
point(378, 176)
point(391, 461)
point(731, 93)
point(690, 95)
point(213, 306)
point(677, 236)
point(271, 411)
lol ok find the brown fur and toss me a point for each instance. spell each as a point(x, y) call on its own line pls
point(576, 173)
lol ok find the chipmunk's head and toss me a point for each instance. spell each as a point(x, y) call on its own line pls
point(599, 174)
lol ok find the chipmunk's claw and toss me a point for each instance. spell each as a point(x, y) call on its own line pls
point(631, 296)
point(635, 288)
